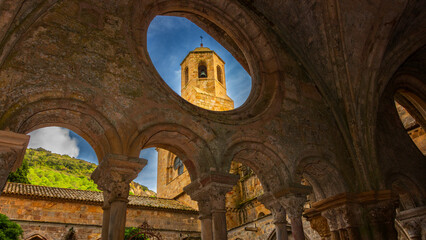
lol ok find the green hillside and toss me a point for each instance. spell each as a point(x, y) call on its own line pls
point(44, 168)
point(54, 170)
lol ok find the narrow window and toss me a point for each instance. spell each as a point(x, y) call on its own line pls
point(178, 165)
point(186, 76)
point(219, 74)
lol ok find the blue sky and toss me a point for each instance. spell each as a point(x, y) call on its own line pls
point(169, 41)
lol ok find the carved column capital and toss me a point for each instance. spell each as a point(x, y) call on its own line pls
point(107, 200)
point(293, 204)
point(277, 210)
point(331, 216)
point(381, 212)
point(320, 225)
point(114, 174)
point(218, 194)
point(413, 220)
point(7, 159)
point(343, 216)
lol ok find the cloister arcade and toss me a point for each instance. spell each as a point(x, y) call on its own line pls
point(325, 76)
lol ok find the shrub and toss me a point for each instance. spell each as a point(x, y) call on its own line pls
point(9, 230)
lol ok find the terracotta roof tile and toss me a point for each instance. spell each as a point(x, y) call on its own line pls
point(88, 196)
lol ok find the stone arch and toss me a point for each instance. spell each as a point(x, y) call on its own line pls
point(266, 164)
point(414, 104)
point(36, 237)
point(183, 142)
point(24, 17)
point(406, 40)
point(244, 33)
point(322, 175)
point(272, 235)
point(69, 113)
point(202, 70)
point(409, 193)
point(410, 79)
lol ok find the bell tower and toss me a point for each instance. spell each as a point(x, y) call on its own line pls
point(204, 85)
point(203, 80)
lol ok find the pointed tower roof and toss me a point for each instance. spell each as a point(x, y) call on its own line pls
point(202, 49)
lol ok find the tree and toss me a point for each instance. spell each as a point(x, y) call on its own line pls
point(8, 229)
point(21, 174)
point(133, 232)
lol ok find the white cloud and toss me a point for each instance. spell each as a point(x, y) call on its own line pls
point(54, 139)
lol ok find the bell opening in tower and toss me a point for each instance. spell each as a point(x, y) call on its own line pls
point(197, 72)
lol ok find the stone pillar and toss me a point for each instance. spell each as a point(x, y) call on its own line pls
point(205, 217)
point(210, 191)
point(12, 151)
point(218, 205)
point(202, 196)
point(413, 221)
point(278, 214)
point(106, 207)
point(294, 207)
point(382, 220)
point(113, 176)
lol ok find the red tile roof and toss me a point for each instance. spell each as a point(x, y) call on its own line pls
point(64, 194)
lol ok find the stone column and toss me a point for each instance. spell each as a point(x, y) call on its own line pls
point(12, 151)
point(331, 217)
point(413, 221)
point(106, 207)
point(218, 205)
point(382, 219)
point(202, 196)
point(210, 191)
point(113, 176)
point(205, 217)
point(294, 207)
point(278, 214)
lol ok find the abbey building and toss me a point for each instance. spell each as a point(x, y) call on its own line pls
point(320, 130)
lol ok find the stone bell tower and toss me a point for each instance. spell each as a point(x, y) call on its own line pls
point(203, 80)
point(204, 85)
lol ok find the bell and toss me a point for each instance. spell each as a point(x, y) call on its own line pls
point(203, 74)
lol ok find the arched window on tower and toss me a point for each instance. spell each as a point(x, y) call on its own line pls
point(186, 75)
point(219, 74)
point(178, 165)
point(202, 70)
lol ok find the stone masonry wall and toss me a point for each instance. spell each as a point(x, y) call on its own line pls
point(264, 226)
point(169, 184)
point(52, 219)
